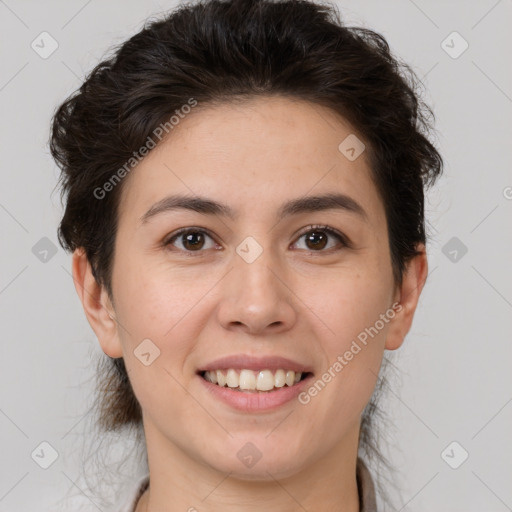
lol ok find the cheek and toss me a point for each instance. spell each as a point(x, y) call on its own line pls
point(357, 312)
point(154, 305)
point(351, 305)
point(150, 298)
point(164, 305)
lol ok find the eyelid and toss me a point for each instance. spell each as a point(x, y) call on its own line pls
point(320, 227)
point(182, 231)
point(343, 239)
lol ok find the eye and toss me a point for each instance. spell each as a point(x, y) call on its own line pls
point(191, 239)
point(317, 238)
point(194, 239)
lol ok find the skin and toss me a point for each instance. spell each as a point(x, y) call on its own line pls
point(291, 301)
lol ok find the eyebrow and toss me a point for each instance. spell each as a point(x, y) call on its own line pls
point(205, 206)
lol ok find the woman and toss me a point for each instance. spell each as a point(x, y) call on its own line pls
point(244, 188)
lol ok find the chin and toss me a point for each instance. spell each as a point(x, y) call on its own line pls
point(256, 461)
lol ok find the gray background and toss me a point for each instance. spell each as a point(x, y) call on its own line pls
point(454, 383)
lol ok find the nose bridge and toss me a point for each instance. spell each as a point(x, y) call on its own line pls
point(256, 295)
point(255, 267)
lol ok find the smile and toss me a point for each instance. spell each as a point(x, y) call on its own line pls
point(251, 401)
point(251, 381)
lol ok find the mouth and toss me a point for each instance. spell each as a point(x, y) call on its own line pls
point(250, 381)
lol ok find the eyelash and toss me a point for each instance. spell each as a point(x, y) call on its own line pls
point(342, 239)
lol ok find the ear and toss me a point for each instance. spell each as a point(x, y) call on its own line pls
point(97, 305)
point(407, 295)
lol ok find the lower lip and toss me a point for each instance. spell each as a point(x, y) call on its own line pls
point(256, 402)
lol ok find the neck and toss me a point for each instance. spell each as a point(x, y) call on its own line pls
point(180, 483)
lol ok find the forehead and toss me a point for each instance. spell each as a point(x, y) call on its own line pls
point(253, 155)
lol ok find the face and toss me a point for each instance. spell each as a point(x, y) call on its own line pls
point(257, 281)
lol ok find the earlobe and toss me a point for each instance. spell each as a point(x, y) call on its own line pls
point(97, 305)
point(410, 290)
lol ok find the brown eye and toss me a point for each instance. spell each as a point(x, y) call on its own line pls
point(317, 238)
point(191, 240)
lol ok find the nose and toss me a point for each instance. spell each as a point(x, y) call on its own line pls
point(256, 297)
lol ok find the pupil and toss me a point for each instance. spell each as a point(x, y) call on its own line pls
point(316, 234)
point(189, 240)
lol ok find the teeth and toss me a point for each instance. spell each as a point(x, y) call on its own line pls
point(249, 380)
point(265, 381)
point(232, 379)
point(280, 378)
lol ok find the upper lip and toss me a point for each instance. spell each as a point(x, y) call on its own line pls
point(244, 361)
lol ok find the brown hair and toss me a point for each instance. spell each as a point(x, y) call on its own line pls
point(219, 51)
